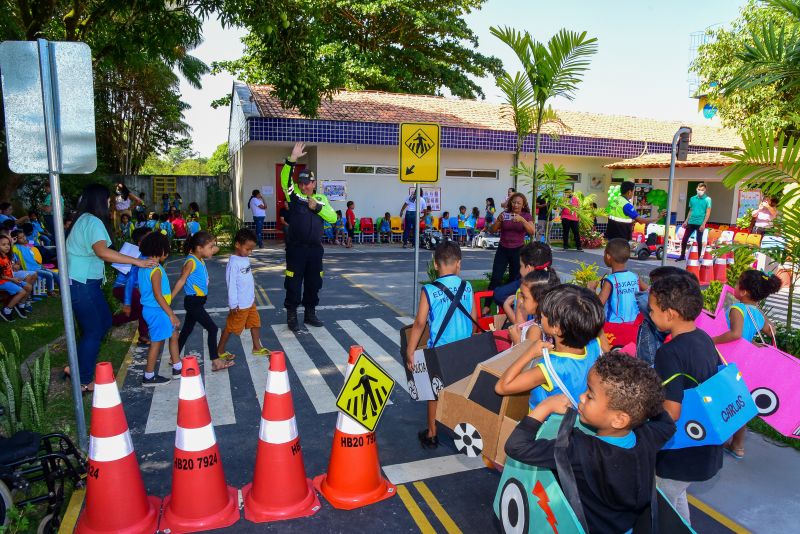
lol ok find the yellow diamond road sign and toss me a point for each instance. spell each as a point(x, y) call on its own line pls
point(419, 152)
point(365, 393)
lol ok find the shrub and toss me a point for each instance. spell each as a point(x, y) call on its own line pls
point(711, 295)
point(23, 389)
point(592, 239)
point(585, 273)
point(788, 339)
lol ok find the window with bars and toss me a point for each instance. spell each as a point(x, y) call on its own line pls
point(491, 174)
point(370, 169)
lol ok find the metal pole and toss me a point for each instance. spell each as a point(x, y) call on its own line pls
point(415, 289)
point(54, 167)
point(674, 152)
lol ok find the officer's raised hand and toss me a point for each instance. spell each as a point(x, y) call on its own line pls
point(312, 203)
point(298, 151)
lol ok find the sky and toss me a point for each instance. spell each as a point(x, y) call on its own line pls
point(640, 69)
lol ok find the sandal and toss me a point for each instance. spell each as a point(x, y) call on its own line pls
point(427, 442)
point(222, 366)
point(86, 390)
point(736, 452)
point(227, 356)
point(263, 351)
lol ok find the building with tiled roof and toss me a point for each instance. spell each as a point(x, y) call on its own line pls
point(353, 147)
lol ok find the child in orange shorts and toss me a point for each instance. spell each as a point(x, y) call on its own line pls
point(241, 296)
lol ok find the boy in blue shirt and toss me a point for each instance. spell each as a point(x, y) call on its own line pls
point(573, 317)
point(618, 289)
point(39, 236)
point(434, 303)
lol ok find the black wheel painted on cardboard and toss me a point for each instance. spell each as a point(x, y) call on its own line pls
point(642, 254)
point(695, 430)
point(468, 440)
point(412, 390)
point(514, 516)
point(766, 401)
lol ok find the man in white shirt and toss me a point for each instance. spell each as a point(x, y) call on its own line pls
point(410, 223)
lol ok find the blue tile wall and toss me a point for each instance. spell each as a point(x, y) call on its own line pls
point(374, 133)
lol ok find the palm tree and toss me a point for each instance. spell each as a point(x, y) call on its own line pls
point(552, 183)
point(553, 70)
point(519, 103)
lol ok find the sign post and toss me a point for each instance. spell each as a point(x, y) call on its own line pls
point(419, 162)
point(49, 109)
point(680, 152)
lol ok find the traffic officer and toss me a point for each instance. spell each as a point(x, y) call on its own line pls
point(622, 214)
point(304, 249)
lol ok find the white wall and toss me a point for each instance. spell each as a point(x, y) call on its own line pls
point(373, 195)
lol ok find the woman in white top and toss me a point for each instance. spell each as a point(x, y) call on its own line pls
point(765, 214)
point(256, 205)
point(124, 200)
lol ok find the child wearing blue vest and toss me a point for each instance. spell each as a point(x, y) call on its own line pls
point(164, 226)
point(156, 298)
point(573, 317)
point(385, 228)
point(462, 224)
point(745, 321)
point(434, 304)
point(39, 234)
point(525, 306)
point(23, 254)
point(126, 227)
point(194, 281)
point(126, 290)
point(446, 224)
point(618, 289)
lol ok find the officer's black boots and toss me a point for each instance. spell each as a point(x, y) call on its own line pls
point(310, 317)
point(291, 319)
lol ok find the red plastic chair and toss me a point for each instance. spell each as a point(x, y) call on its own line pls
point(477, 297)
point(367, 229)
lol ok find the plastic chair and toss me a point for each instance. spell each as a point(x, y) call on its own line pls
point(367, 229)
point(754, 240)
point(436, 222)
point(713, 235)
point(357, 231)
point(740, 238)
point(726, 237)
point(397, 228)
point(723, 227)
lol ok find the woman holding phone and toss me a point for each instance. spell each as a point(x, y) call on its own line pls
point(514, 224)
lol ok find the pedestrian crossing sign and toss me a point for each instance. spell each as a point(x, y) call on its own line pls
point(419, 152)
point(365, 393)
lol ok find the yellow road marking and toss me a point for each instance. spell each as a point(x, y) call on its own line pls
point(717, 516)
point(413, 508)
point(447, 521)
point(259, 301)
point(264, 294)
point(73, 509)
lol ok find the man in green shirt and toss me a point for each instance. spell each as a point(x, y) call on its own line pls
point(699, 212)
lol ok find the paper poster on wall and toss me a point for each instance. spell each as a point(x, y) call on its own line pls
point(432, 196)
point(267, 190)
point(748, 200)
point(335, 189)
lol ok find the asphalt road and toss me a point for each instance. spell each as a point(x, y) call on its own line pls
point(459, 500)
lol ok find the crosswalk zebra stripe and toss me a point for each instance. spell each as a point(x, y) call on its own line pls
point(336, 352)
point(164, 404)
point(386, 329)
point(218, 390)
point(382, 357)
point(316, 388)
point(257, 365)
point(405, 320)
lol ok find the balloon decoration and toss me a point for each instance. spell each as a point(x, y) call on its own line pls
point(613, 195)
point(658, 198)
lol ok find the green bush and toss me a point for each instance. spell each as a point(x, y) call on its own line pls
point(585, 273)
point(23, 389)
point(224, 230)
point(711, 295)
point(788, 339)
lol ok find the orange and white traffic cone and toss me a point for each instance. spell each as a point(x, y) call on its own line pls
point(280, 489)
point(200, 499)
point(720, 268)
point(693, 263)
point(354, 476)
point(707, 266)
point(115, 496)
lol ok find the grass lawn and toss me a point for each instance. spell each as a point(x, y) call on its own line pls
point(42, 327)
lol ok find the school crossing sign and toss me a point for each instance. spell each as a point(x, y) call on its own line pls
point(365, 393)
point(419, 152)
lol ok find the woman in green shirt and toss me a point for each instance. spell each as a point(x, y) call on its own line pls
point(87, 252)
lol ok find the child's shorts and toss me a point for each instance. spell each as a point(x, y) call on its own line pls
point(22, 275)
point(462, 231)
point(238, 320)
point(158, 323)
point(10, 287)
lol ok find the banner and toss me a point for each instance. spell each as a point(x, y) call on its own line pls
point(335, 189)
point(432, 195)
point(748, 200)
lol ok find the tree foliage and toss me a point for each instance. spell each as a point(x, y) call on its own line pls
point(308, 49)
point(220, 162)
point(731, 72)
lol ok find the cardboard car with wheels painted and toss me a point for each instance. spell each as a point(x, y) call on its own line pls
point(530, 499)
point(481, 419)
point(771, 374)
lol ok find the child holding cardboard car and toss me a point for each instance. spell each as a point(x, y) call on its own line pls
point(448, 321)
point(573, 316)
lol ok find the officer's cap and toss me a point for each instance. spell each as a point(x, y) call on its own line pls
point(305, 176)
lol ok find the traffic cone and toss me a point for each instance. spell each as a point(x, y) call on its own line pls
point(280, 489)
point(720, 268)
point(200, 499)
point(115, 496)
point(707, 266)
point(693, 263)
point(354, 476)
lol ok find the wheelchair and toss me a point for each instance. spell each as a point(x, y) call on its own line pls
point(34, 469)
